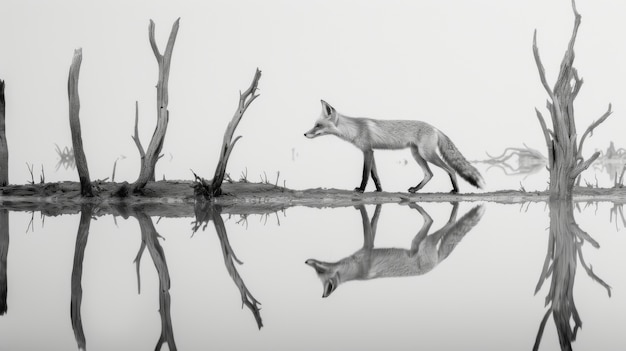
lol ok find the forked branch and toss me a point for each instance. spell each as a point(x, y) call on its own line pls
point(135, 137)
point(153, 152)
point(245, 99)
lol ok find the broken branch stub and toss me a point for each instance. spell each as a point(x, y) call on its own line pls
point(564, 152)
point(142, 153)
point(77, 141)
point(152, 153)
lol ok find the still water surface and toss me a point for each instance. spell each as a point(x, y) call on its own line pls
point(468, 279)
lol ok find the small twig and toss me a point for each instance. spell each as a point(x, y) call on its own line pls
point(30, 170)
point(31, 225)
point(42, 177)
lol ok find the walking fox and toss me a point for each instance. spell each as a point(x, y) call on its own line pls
point(426, 251)
point(423, 139)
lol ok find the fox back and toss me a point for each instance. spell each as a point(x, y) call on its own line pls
point(368, 133)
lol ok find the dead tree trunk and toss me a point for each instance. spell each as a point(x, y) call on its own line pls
point(210, 189)
point(565, 160)
point(153, 153)
point(77, 140)
point(4, 151)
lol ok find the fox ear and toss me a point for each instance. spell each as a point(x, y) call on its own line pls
point(328, 110)
point(320, 267)
point(329, 287)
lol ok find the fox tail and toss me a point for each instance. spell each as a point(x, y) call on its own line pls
point(454, 158)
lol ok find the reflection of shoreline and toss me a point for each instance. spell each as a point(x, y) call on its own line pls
point(175, 198)
point(564, 252)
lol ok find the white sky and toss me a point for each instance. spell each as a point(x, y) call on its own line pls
point(465, 67)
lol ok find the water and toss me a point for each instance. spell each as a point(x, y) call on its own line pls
point(479, 295)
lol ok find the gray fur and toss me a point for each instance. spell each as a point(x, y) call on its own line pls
point(454, 158)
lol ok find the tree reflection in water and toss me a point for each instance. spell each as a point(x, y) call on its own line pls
point(564, 250)
point(149, 240)
point(205, 213)
point(4, 253)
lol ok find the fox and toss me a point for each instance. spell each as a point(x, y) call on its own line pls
point(424, 140)
point(426, 252)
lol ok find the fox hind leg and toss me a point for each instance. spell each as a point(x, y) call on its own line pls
point(428, 174)
point(437, 161)
point(374, 174)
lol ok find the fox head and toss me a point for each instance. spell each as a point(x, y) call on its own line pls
point(325, 124)
point(328, 273)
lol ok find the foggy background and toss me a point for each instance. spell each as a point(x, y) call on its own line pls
point(465, 67)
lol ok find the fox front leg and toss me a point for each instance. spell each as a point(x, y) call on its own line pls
point(368, 160)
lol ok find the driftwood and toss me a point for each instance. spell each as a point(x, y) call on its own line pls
point(4, 150)
point(565, 160)
point(213, 188)
point(77, 141)
point(152, 154)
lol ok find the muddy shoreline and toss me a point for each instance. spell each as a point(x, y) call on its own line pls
point(176, 198)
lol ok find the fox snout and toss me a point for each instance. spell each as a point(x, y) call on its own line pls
point(311, 134)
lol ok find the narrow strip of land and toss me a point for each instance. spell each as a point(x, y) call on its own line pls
point(176, 198)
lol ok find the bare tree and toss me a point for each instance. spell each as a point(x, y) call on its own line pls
point(210, 189)
point(152, 154)
point(77, 141)
point(565, 160)
point(4, 151)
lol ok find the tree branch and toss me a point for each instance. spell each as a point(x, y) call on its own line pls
point(590, 129)
point(590, 272)
point(142, 153)
point(541, 69)
point(582, 166)
point(546, 134)
point(153, 44)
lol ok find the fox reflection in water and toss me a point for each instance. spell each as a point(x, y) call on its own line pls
point(426, 251)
